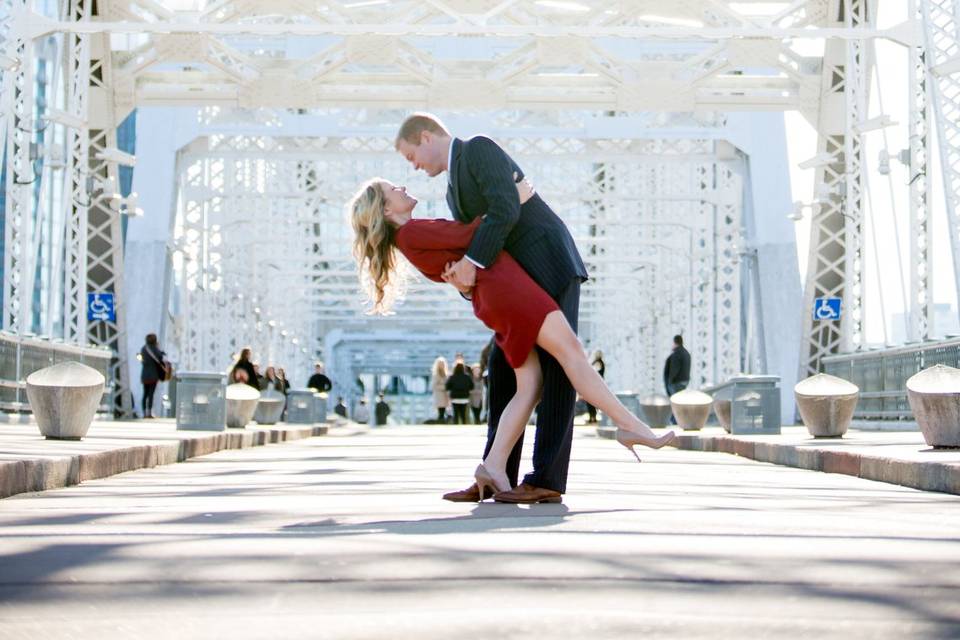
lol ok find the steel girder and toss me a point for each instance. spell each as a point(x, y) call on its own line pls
point(77, 76)
point(19, 259)
point(92, 245)
point(835, 266)
point(104, 238)
point(658, 223)
point(711, 54)
point(941, 21)
point(921, 228)
point(550, 60)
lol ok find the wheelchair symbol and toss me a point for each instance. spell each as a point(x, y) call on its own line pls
point(827, 309)
point(100, 307)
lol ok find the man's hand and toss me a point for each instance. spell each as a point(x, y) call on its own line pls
point(525, 189)
point(461, 274)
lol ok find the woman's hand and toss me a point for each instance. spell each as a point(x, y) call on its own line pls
point(448, 278)
point(524, 188)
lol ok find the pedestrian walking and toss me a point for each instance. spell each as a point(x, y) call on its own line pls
point(153, 369)
point(381, 411)
point(459, 385)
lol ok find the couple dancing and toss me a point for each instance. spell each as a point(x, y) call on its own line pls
point(513, 257)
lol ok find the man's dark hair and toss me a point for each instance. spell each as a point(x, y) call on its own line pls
point(151, 339)
point(678, 340)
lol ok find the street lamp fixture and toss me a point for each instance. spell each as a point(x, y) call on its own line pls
point(797, 214)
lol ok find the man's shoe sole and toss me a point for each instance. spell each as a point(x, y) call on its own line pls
point(448, 498)
point(554, 500)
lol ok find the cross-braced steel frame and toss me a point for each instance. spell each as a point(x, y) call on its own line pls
point(835, 268)
point(694, 55)
point(256, 249)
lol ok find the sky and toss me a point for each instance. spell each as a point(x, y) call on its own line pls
point(888, 209)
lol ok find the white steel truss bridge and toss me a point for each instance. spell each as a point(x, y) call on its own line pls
point(650, 126)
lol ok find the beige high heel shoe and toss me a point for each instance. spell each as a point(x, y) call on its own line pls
point(629, 439)
point(484, 480)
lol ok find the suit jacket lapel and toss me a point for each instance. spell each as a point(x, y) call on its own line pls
point(453, 191)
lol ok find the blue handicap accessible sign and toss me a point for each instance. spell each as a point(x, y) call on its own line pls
point(100, 307)
point(826, 309)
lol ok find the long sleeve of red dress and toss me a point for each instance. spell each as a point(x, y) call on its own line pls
point(505, 297)
point(430, 245)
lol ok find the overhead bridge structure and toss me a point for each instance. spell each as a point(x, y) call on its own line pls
point(653, 128)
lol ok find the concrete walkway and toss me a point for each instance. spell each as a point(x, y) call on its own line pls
point(897, 457)
point(28, 462)
point(345, 537)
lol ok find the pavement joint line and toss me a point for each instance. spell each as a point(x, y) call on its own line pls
point(741, 582)
point(815, 455)
point(57, 469)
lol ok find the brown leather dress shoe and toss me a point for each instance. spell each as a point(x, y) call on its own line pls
point(472, 494)
point(528, 494)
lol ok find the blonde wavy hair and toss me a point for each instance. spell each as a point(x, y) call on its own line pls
point(439, 371)
point(382, 274)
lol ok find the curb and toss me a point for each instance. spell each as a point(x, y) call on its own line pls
point(926, 476)
point(23, 476)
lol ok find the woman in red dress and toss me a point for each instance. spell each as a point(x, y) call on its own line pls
point(504, 297)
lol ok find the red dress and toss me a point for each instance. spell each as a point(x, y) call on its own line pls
point(504, 297)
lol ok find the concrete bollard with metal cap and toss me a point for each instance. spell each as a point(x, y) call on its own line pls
point(64, 399)
point(826, 404)
point(934, 396)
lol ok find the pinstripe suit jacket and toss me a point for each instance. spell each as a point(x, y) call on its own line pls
point(482, 184)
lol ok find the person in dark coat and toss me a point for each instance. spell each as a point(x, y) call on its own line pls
point(459, 385)
point(152, 371)
point(319, 380)
point(243, 364)
point(601, 368)
point(261, 380)
point(381, 410)
point(340, 409)
point(676, 371)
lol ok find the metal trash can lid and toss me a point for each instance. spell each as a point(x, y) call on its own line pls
point(200, 375)
point(753, 378)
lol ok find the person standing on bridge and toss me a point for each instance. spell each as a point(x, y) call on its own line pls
point(676, 370)
point(507, 300)
point(319, 379)
point(153, 369)
point(480, 178)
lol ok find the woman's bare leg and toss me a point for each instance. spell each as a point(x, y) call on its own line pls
point(559, 340)
point(514, 419)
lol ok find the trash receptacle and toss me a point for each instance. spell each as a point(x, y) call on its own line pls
point(300, 406)
point(320, 407)
point(201, 401)
point(754, 405)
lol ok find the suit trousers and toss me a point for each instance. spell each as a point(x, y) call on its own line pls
point(551, 446)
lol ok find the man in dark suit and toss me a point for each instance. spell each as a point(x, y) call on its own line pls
point(481, 183)
point(319, 379)
point(676, 371)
